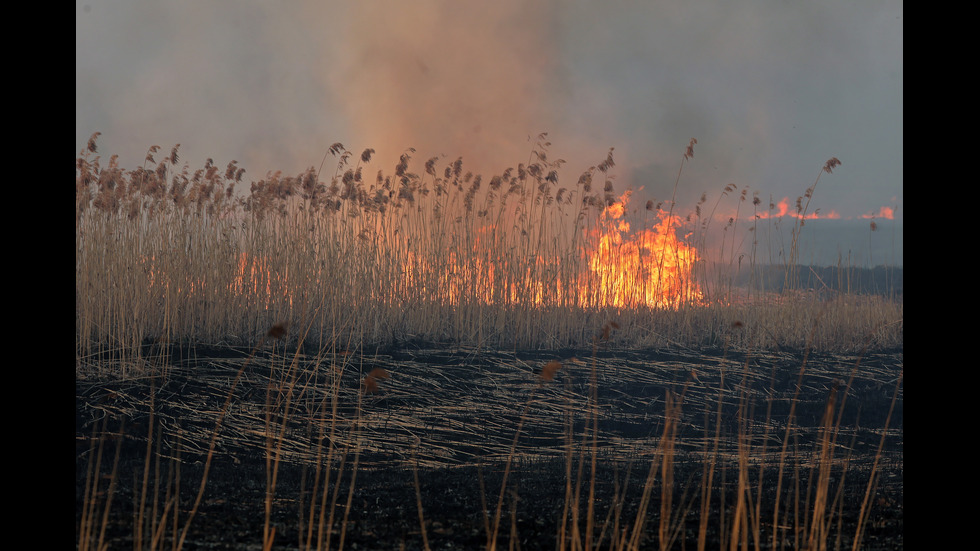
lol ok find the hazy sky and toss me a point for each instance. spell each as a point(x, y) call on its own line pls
point(770, 89)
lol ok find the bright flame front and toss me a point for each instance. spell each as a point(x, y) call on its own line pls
point(612, 266)
point(650, 268)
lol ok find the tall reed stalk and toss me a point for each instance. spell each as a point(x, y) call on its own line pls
point(173, 256)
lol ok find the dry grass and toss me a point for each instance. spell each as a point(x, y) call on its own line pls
point(167, 256)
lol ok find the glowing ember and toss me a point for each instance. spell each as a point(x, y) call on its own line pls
point(253, 276)
point(256, 276)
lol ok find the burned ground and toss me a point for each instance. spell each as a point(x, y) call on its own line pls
point(450, 417)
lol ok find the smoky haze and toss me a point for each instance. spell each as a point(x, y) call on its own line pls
point(448, 81)
point(770, 89)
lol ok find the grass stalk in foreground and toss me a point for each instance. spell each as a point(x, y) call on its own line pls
point(873, 478)
point(93, 492)
point(492, 535)
point(813, 505)
point(418, 497)
point(276, 332)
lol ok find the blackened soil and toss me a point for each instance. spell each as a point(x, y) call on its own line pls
point(448, 419)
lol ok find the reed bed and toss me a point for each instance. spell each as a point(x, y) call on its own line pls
point(428, 253)
point(330, 339)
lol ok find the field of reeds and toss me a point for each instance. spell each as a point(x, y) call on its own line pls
point(430, 253)
point(430, 359)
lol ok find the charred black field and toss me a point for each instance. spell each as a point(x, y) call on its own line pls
point(445, 447)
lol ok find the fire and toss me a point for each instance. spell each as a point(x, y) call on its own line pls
point(257, 276)
point(613, 266)
point(783, 208)
point(650, 268)
point(454, 280)
point(887, 213)
point(252, 276)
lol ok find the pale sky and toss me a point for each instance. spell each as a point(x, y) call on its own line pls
point(770, 89)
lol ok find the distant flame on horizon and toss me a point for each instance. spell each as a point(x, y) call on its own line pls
point(887, 213)
point(784, 208)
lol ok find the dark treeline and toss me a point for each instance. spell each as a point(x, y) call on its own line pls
point(880, 280)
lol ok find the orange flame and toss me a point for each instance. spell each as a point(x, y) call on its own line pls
point(615, 267)
point(253, 276)
point(651, 268)
point(783, 208)
point(453, 281)
point(887, 213)
point(256, 276)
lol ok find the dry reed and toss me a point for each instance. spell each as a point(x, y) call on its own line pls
point(172, 256)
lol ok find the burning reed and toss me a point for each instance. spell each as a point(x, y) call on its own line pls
point(429, 252)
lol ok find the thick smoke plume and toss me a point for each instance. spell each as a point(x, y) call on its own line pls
point(446, 79)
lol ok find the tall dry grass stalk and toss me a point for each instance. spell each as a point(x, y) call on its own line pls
point(171, 256)
point(795, 494)
point(94, 493)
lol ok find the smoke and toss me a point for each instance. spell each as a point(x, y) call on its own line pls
point(770, 89)
point(230, 81)
point(446, 79)
point(450, 80)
